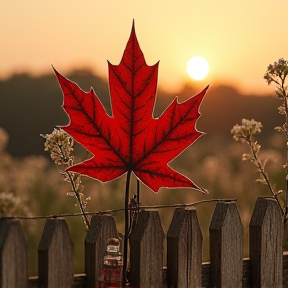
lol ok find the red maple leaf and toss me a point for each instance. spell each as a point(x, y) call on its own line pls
point(131, 140)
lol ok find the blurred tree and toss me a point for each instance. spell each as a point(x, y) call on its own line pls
point(30, 106)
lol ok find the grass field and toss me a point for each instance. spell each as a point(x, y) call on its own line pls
point(37, 187)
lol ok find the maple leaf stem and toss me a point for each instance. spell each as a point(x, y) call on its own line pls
point(138, 195)
point(125, 252)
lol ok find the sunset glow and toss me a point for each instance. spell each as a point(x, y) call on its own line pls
point(72, 35)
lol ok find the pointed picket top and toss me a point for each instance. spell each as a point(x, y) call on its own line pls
point(226, 246)
point(184, 249)
point(56, 255)
point(265, 240)
point(102, 227)
point(146, 251)
point(13, 255)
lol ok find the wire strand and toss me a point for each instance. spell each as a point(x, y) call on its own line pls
point(111, 211)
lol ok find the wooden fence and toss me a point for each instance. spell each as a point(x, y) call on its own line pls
point(267, 266)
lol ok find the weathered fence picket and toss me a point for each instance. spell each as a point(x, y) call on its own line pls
point(13, 253)
point(226, 246)
point(266, 238)
point(102, 227)
point(184, 250)
point(146, 251)
point(55, 255)
point(267, 266)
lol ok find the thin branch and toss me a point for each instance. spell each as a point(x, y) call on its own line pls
point(286, 134)
point(78, 199)
point(74, 188)
point(262, 171)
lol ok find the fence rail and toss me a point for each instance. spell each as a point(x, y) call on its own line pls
point(267, 266)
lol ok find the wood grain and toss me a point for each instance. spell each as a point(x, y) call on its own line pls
point(226, 246)
point(56, 255)
point(146, 251)
point(184, 250)
point(102, 227)
point(266, 239)
point(13, 254)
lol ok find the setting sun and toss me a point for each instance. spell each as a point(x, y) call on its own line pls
point(197, 68)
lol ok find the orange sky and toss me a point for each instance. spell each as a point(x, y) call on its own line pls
point(239, 38)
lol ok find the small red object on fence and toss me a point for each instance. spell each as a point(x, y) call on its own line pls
point(112, 271)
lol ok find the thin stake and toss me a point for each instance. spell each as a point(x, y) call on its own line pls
point(127, 189)
point(138, 198)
